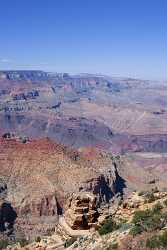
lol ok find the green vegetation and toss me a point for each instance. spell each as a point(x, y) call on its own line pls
point(3, 244)
point(157, 208)
point(108, 227)
point(148, 220)
point(150, 197)
point(69, 242)
point(157, 241)
point(23, 242)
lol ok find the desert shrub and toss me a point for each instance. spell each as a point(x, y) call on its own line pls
point(123, 225)
point(69, 242)
point(150, 197)
point(136, 229)
point(38, 239)
point(157, 208)
point(23, 242)
point(3, 244)
point(153, 242)
point(157, 241)
point(148, 220)
point(108, 227)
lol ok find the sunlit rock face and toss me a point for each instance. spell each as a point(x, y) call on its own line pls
point(81, 212)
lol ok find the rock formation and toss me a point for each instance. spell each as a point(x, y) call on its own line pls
point(81, 212)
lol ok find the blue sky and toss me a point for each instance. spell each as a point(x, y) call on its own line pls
point(115, 37)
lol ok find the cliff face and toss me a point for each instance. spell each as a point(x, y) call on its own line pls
point(45, 206)
point(40, 175)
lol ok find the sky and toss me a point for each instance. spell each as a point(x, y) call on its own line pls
point(114, 37)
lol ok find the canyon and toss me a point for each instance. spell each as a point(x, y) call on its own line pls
point(82, 139)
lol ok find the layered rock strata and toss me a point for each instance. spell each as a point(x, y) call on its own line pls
point(82, 211)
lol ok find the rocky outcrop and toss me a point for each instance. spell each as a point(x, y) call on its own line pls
point(82, 211)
